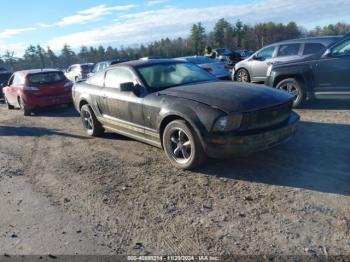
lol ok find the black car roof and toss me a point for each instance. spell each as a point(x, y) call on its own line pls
point(325, 40)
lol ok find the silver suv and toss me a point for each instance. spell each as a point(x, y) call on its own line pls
point(255, 67)
point(79, 72)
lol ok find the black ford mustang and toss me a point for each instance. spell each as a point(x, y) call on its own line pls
point(182, 108)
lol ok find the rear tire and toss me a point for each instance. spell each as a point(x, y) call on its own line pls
point(22, 107)
point(90, 123)
point(182, 145)
point(295, 88)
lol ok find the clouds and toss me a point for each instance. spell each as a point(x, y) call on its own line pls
point(88, 15)
point(156, 2)
point(135, 24)
point(146, 26)
point(9, 33)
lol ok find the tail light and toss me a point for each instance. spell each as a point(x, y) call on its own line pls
point(208, 69)
point(30, 88)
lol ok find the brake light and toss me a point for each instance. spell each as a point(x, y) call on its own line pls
point(208, 69)
point(30, 88)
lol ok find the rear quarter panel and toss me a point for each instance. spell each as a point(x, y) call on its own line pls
point(83, 92)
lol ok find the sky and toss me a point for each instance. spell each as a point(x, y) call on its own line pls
point(129, 22)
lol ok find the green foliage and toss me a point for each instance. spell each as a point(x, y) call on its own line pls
point(225, 34)
point(198, 38)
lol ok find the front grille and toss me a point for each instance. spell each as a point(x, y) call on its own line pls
point(266, 117)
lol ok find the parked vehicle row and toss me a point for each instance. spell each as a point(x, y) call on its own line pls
point(231, 57)
point(182, 106)
point(104, 64)
point(254, 68)
point(323, 75)
point(217, 68)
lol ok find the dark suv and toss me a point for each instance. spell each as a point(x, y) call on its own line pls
point(324, 75)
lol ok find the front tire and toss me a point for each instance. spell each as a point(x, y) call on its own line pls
point(295, 88)
point(182, 146)
point(243, 75)
point(90, 123)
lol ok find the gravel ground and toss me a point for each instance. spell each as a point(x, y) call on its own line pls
point(293, 199)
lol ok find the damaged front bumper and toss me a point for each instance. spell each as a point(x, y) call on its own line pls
point(224, 146)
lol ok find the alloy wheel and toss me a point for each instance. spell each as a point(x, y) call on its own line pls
point(291, 88)
point(87, 120)
point(180, 145)
point(242, 76)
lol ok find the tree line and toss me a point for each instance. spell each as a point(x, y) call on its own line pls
point(224, 34)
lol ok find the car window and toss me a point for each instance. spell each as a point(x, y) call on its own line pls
point(18, 80)
point(96, 68)
point(313, 48)
point(72, 68)
point(97, 79)
point(116, 76)
point(267, 52)
point(103, 66)
point(87, 68)
point(11, 80)
point(342, 49)
point(45, 78)
point(288, 50)
point(162, 76)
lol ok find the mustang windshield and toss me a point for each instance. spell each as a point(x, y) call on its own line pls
point(162, 76)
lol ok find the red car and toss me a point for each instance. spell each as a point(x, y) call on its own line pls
point(37, 88)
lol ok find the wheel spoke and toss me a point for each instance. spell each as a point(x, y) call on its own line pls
point(90, 122)
point(174, 139)
point(181, 136)
point(185, 153)
point(177, 151)
point(187, 144)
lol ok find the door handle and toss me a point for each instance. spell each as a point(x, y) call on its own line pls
point(104, 96)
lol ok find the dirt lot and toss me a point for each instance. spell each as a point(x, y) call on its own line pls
point(294, 199)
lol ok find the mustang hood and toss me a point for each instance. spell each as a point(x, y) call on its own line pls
point(230, 96)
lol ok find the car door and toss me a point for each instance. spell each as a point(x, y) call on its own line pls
point(124, 108)
point(260, 62)
point(332, 71)
point(288, 52)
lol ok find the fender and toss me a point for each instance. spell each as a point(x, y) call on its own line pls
point(201, 118)
point(304, 72)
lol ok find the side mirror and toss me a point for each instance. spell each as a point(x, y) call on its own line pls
point(327, 54)
point(258, 58)
point(127, 87)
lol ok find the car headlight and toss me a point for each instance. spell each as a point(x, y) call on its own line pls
point(228, 123)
